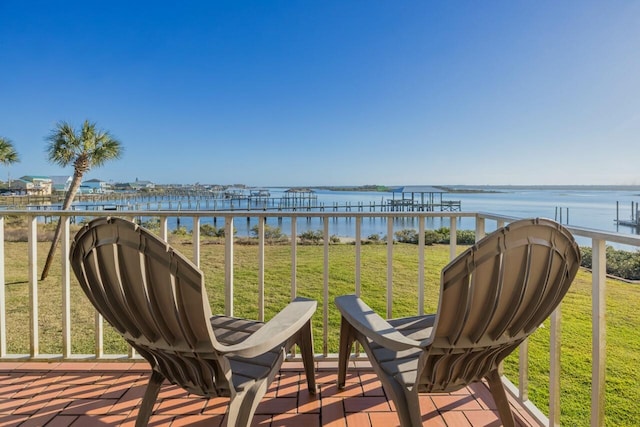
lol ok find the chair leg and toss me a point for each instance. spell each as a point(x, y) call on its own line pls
point(344, 351)
point(306, 350)
point(150, 396)
point(500, 397)
point(243, 405)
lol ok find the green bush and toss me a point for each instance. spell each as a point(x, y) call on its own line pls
point(620, 263)
point(211, 230)
point(406, 236)
point(270, 233)
point(311, 236)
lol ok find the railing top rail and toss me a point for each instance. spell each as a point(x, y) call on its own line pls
point(609, 236)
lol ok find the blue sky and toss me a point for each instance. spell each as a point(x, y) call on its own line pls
point(330, 93)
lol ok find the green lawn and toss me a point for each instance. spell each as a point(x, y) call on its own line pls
point(623, 308)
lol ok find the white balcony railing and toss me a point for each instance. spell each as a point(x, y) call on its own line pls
point(483, 222)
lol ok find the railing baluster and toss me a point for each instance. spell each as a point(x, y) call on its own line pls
point(294, 257)
point(480, 228)
point(32, 241)
point(358, 277)
point(523, 370)
point(389, 267)
point(228, 265)
point(99, 326)
point(325, 288)
point(421, 245)
point(554, 371)
point(66, 289)
point(598, 288)
point(453, 238)
point(164, 234)
point(261, 221)
point(195, 236)
point(3, 313)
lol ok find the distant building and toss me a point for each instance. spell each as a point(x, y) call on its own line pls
point(60, 183)
point(97, 186)
point(33, 185)
point(140, 185)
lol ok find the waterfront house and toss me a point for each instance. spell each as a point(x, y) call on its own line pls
point(96, 186)
point(33, 185)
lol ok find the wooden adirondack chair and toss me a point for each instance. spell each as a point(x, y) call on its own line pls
point(492, 297)
point(156, 299)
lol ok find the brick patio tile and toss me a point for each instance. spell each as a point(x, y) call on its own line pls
point(29, 391)
point(87, 391)
point(384, 419)
point(366, 404)
point(483, 396)
point(170, 391)
point(445, 402)
point(38, 420)
point(9, 406)
point(308, 403)
point(89, 407)
point(482, 418)
point(457, 419)
point(62, 421)
point(12, 420)
point(10, 366)
point(99, 420)
point(182, 406)
point(371, 385)
point(350, 389)
point(115, 391)
point(292, 366)
point(261, 421)
point(40, 366)
point(216, 405)
point(9, 390)
point(332, 412)
point(295, 420)
point(135, 392)
point(75, 366)
point(198, 420)
point(80, 378)
point(277, 405)
point(124, 406)
point(358, 419)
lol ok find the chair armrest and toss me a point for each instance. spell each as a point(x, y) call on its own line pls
point(363, 319)
point(279, 329)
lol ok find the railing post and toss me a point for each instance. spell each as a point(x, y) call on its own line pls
point(523, 370)
point(3, 313)
point(358, 254)
point(294, 257)
point(389, 267)
point(480, 228)
point(261, 222)
point(32, 241)
point(453, 237)
point(163, 228)
point(598, 288)
point(228, 265)
point(195, 235)
point(421, 245)
point(325, 289)
point(66, 288)
point(554, 371)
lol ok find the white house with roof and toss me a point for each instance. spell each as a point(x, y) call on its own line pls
point(33, 185)
point(96, 186)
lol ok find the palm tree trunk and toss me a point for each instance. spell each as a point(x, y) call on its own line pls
point(71, 194)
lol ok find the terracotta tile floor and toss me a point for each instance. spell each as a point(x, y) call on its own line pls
point(108, 394)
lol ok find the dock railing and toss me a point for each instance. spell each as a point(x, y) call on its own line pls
point(483, 223)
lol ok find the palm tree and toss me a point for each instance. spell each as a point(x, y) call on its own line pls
point(90, 147)
point(8, 154)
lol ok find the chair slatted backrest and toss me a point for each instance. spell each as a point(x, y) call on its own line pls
point(152, 295)
point(494, 295)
